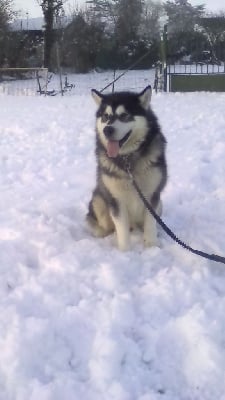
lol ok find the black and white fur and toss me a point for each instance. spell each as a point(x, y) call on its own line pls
point(127, 134)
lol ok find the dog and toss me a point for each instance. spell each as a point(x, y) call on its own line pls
point(128, 141)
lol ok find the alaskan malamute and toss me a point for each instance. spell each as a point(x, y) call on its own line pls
point(128, 137)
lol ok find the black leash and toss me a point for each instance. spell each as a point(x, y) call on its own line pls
point(213, 257)
point(127, 70)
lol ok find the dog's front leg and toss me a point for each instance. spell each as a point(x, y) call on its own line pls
point(122, 227)
point(150, 230)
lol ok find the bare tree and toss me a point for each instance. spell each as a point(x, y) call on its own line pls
point(213, 28)
point(51, 9)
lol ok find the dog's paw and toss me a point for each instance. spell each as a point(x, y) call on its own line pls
point(124, 247)
point(97, 231)
point(150, 242)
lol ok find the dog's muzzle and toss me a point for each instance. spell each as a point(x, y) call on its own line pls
point(109, 131)
point(113, 145)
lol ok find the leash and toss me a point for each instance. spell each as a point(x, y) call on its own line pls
point(127, 70)
point(212, 257)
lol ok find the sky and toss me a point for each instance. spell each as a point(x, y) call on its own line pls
point(34, 10)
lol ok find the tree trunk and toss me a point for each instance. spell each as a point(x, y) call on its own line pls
point(49, 37)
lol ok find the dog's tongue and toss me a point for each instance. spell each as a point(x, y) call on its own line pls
point(113, 148)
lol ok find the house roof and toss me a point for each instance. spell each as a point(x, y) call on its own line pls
point(27, 24)
point(35, 24)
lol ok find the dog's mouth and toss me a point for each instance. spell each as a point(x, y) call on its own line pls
point(113, 146)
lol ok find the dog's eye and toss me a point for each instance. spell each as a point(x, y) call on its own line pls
point(124, 117)
point(105, 117)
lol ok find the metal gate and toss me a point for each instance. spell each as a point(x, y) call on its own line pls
point(196, 77)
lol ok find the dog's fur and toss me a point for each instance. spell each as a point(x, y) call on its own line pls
point(127, 135)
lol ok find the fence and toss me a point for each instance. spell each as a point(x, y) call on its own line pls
point(34, 81)
point(23, 81)
point(196, 77)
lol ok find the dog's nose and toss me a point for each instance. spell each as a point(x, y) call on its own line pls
point(108, 131)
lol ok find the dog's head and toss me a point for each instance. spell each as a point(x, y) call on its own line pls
point(122, 122)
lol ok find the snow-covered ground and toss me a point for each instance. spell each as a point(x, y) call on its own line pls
point(80, 320)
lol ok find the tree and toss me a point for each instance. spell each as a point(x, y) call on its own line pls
point(103, 9)
point(51, 9)
point(113, 34)
point(182, 16)
point(150, 27)
point(129, 14)
point(6, 15)
point(122, 19)
point(81, 43)
point(183, 37)
point(213, 28)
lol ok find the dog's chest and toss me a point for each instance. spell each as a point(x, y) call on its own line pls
point(125, 194)
point(122, 189)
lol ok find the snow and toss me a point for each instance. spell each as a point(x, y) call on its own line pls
point(78, 318)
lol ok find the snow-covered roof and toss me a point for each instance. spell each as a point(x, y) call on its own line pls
point(33, 24)
point(30, 24)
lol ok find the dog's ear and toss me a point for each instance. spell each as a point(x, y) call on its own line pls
point(97, 96)
point(145, 97)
